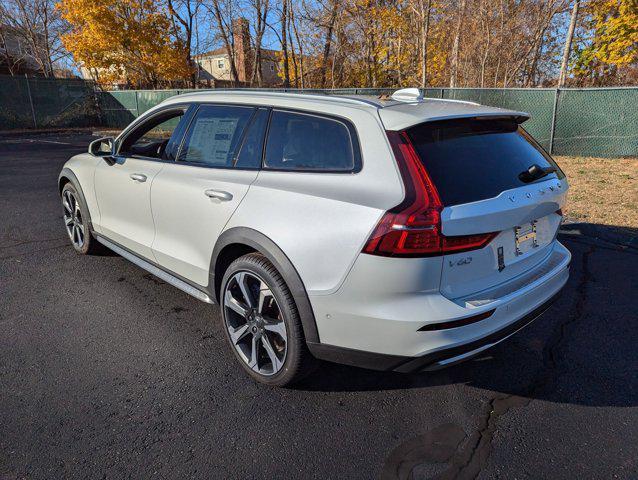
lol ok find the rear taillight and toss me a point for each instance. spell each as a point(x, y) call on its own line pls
point(413, 228)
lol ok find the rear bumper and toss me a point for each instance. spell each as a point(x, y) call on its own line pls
point(430, 361)
point(384, 331)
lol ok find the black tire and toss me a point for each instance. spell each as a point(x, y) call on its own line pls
point(298, 362)
point(89, 245)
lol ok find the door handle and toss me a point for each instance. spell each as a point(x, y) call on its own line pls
point(138, 177)
point(218, 194)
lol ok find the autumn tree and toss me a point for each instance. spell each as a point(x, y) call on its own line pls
point(360, 43)
point(608, 54)
point(124, 41)
point(460, 43)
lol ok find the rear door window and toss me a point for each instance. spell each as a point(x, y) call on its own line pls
point(305, 142)
point(214, 135)
point(474, 159)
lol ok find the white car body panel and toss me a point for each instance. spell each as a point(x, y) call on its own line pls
point(83, 167)
point(402, 115)
point(350, 204)
point(125, 203)
point(467, 272)
point(508, 209)
point(187, 222)
point(376, 311)
point(461, 277)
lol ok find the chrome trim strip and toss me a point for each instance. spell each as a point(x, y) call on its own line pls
point(464, 356)
point(158, 272)
point(397, 226)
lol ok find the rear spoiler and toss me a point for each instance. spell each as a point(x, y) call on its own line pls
point(400, 116)
point(518, 117)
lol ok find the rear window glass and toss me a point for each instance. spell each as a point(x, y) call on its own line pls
point(475, 159)
point(308, 142)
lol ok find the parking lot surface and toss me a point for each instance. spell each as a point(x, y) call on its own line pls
point(108, 372)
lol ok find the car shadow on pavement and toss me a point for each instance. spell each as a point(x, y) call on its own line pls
point(623, 237)
point(581, 351)
point(508, 368)
point(105, 252)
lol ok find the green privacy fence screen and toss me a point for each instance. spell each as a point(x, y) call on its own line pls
point(37, 102)
point(600, 122)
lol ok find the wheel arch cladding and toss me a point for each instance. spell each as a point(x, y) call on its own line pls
point(238, 241)
point(67, 176)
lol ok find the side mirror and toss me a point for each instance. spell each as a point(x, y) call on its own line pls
point(103, 147)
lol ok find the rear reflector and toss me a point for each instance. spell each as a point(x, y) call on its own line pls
point(431, 327)
point(413, 228)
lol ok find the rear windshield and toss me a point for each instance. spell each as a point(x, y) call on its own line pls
point(474, 159)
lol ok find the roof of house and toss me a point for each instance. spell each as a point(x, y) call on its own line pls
point(266, 53)
point(395, 114)
point(217, 51)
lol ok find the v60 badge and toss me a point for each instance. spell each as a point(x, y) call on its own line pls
point(461, 262)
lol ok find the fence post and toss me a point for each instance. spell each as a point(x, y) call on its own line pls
point(26, 79)
point(553, 125)
point(98, 101)
point(137, 105)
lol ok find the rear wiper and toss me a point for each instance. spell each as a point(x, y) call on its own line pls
point(535, 172)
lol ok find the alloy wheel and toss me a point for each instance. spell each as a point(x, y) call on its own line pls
point(73, 218)
point(255, 323)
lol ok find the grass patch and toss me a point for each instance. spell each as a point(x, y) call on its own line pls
point(602, 190)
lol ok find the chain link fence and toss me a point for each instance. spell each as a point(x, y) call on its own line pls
point(601, 122)
point(39, 103)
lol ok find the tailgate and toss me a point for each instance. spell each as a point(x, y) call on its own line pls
point(491, 177)
point(527, 222)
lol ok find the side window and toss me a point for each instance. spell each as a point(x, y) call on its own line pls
point(308, 142)
point(151, 138)
point(251, 150)
point(214, 135)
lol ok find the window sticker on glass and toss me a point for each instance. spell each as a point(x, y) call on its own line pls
point(213, 137)
point(201, 147)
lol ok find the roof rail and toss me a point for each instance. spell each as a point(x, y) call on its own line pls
point(270, 93)
point(451, 100)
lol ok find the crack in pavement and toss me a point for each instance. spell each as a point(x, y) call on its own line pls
point(435, 446)
point(469, 462)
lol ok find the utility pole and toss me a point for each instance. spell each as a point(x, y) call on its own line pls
point(568, 45)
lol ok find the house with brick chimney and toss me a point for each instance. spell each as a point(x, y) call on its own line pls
point(215, 65)
point(214, 68)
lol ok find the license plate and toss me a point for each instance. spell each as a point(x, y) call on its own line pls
point(525, 238)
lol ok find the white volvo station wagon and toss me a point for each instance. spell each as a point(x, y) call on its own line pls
point(395, 233)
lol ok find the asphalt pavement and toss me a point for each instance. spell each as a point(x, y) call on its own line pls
point(108, 372)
